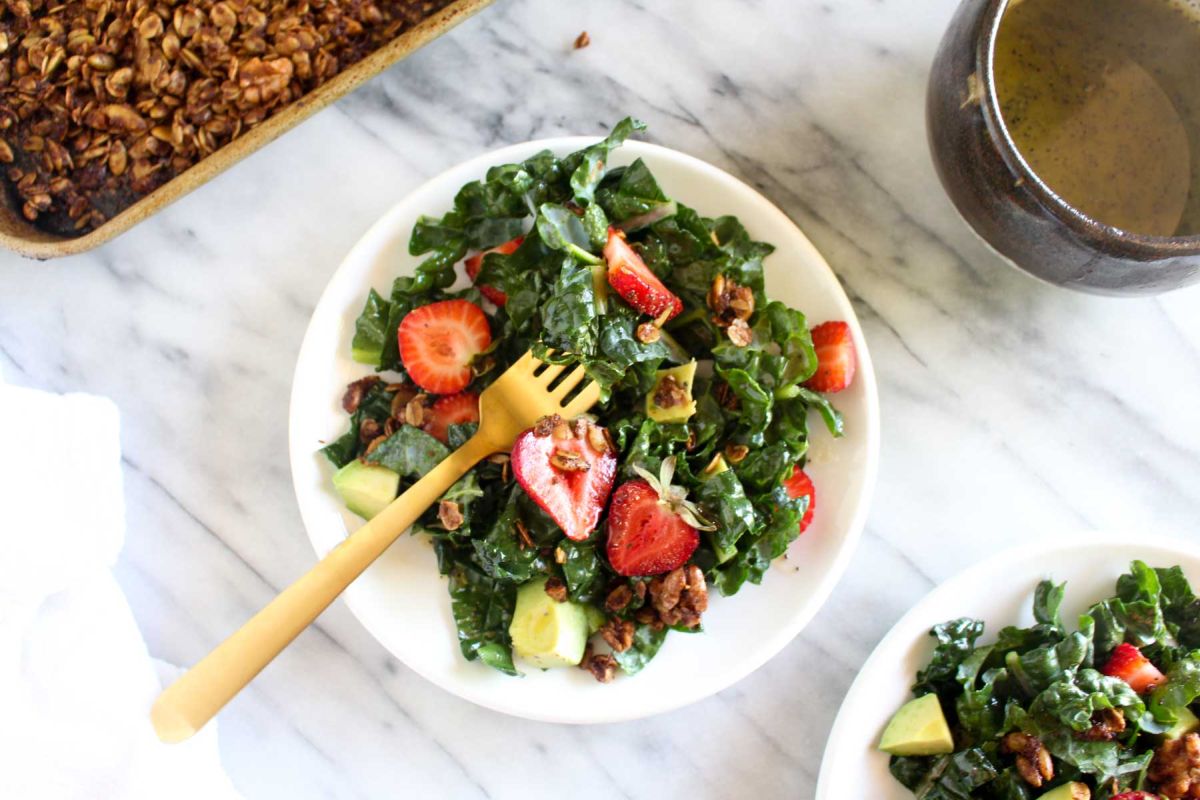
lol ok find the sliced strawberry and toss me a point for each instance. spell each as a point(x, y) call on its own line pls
point(453, 410)
point(439, 341)
point(1136, 795)
point(652, 528)
point(568, 470)
point(634, 281)
point(1128, 664)
point(475, 263)
point(800, 485)
point(836, 358)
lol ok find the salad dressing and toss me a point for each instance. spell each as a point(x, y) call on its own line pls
point(1102, 99)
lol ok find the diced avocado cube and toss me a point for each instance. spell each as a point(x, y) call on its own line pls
point(366, 489)
point(663, 403)
point(596, 619)
point(715, 467)
point(918, 729)
point(366, 355)
point(545, 632)
point(1068, 791)
point(1185, 723)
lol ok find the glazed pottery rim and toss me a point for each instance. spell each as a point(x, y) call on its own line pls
point(1106, 236)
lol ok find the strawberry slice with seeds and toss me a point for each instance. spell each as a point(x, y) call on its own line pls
point(439, 341)
point(836, 357)
point(568, 470)
point(1128, 664)
point(629, 276)
point(652, 528)
point(453, 410)
point(475, 263)
point(798, 485)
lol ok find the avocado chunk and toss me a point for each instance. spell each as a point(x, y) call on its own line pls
point(714, 467)
point(1068, 791)
point(596, 619)
point(1185, 723)
point(366, 489)
point(918, 729)
point(666, 401)
point(545, 632)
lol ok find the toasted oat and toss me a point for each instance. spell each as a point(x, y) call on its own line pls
point(736, 453)
point(369, 429)
point(569, 461)
point(648, 333)
point(1033, 761)
point(414, 410)
point(546, 425)
point(729, 301)
point(582, 40)
point(739, 333)
point(598, 438)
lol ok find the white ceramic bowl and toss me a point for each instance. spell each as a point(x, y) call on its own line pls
point(403, 601)
point(1000, 592)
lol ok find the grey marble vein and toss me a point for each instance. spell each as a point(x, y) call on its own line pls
point(1011, 411)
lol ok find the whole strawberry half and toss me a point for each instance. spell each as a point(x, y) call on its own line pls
point(629, 276)
point(836, 358)
point(452, 410)
point(1128, 664)
point(438, 343)
point(475, 263)
point(800, 485)
point(568, 470)
point(652, 528)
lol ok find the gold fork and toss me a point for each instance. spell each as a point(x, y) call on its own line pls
point(514, 402)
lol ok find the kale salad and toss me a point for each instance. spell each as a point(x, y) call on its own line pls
point(1099, 712)
point(596, 536)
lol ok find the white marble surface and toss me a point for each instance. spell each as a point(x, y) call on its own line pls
point(1011, 410)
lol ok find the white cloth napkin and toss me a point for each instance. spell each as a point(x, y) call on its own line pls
point(76, 681)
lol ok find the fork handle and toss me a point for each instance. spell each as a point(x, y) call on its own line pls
point(192, 700)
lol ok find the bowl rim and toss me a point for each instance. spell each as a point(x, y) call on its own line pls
point(851, 533)
point(1138, 246)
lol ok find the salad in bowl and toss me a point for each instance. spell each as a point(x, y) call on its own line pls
point(1101, 710)
point(597, 536)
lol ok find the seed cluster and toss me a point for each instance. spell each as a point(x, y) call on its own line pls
point(103, 101)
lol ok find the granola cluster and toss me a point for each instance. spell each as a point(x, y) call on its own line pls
point(1175, 769)
point(103, 101)
point(1033, 760)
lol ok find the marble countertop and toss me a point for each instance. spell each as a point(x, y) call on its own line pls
point(1012, 410)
